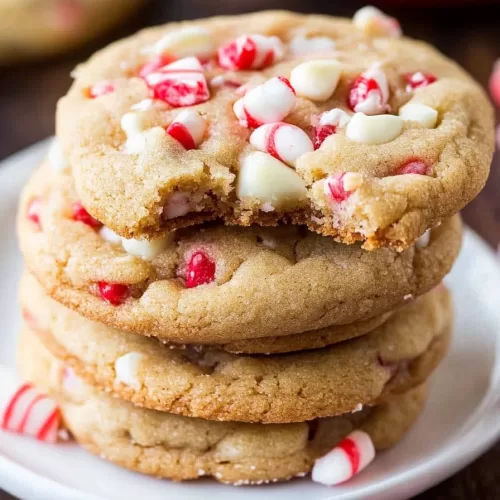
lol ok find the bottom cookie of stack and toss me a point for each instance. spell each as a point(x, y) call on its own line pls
point(181, 448)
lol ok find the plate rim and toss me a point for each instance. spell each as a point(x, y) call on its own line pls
point(21, 481)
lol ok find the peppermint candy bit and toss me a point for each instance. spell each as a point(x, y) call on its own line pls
point(338, 187)
point(267, 103)
point(33, 213)
point(369, 93)
point(200, 270)
point(284, 141)
point(418, 79)
point(100, 89)
point(32, 414)
point(154, 65)
point(188, 128)
point(329, 123)
point(181, 83)
point(250, 52)
point(347, 459)
point(80, 214)
point(113, 293)
point(416, 167)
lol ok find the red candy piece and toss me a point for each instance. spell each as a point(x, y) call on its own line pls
point(238, 54)
point(181, 133)
point(34, 212)
point(418, 79)
point(31, 414)
point(494, 83)
point(114, 293)
point(200, 270)
point(413, 167)
point(181, 83)
point(100, 89)
point(360, 89)
point(81, 215)
point(154, 65)
point(321, 132)
point(335, 185)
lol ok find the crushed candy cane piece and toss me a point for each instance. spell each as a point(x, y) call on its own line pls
point(284, 141)
point(250, 52)
point(267, 103)
point(347, 459)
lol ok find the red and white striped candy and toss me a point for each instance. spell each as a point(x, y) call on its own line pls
point(369, 93)
point(418, 79)
point(329, 123)
point(181, 83)
point(188, 128)
point(284, 141)
point(250, 52)
point(25, 411)
point(267, 103)
point(338, 187)
point(374, 22)
point(348, 458)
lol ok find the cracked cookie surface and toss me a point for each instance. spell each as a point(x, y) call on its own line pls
point(273, 389)
point(217, 284)
point(182, 448)
point(385, 191)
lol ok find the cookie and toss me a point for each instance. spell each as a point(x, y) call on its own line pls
point(217, 284)
point(276, 116)
point(182, 448)
point(217, 385)
point(33, 29)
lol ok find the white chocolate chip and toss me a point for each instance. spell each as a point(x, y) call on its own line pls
point(317, 79)
point(133, 125)
point(127, 369)
point(377, 129)
point(425, 115)
point(109, 235)
point(300, 45)
point(178, 204)
point(145, 249)
point(424, 240)
point(267, 180)
point(194, 41)
point(56, 158)
point(287, 141)
point(337, 117)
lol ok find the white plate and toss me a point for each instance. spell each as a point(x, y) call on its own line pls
point(459, 423)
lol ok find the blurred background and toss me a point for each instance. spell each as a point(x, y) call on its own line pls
point(41, 41)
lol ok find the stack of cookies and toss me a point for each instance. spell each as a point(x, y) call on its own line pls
point(235, 248)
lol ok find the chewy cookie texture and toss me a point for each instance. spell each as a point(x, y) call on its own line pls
point(217, 385)
point(180, 448)
point(355, 131)
point(217, 284)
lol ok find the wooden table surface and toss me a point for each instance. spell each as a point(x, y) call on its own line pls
point(470, 35)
